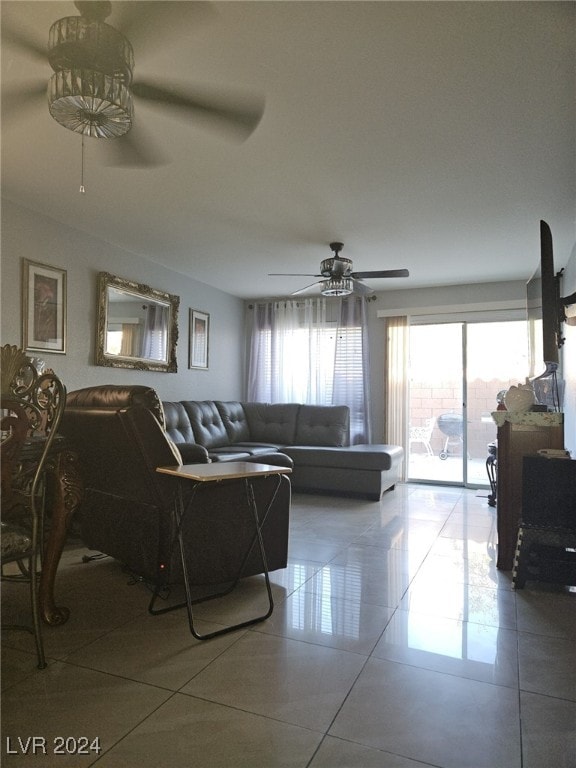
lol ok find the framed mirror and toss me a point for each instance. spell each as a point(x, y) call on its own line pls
point(137, 326)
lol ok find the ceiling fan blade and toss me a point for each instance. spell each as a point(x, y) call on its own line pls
point(361, 289)
point(381, 273)
point(14, 100)
point(134, 150)
point(240, 115)
point(292, 274)
point(25, 41)
point(150, 23)
point(306, 288)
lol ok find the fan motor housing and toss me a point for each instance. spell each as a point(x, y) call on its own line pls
point(336, 267)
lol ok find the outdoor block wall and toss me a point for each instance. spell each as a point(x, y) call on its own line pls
point(445, 397)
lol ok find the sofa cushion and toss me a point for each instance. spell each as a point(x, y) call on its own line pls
point(178, 423)
point(228, 454)
point(207, 424)
point(234, 419)
point(362, 457)
point(257, 448)
point(273, 423)
point(322, 425)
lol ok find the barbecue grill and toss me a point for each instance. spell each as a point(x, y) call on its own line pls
point(450, 424)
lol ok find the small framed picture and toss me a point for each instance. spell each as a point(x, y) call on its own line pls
point(199, 333)
point(43, 308)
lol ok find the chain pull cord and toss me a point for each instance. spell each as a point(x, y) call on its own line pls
point(82, 189)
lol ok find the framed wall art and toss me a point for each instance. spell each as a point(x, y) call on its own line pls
point(199, 339)
point(43, 308)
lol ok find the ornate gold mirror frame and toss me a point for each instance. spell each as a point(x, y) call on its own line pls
point(137, 326)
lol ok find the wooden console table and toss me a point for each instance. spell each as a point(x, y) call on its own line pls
point(519, 434)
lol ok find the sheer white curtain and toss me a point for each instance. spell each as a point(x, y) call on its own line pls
point(311, 351)
point(155, 335)
point(396, 385)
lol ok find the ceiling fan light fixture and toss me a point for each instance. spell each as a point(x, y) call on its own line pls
point(79, 42)
point(91, 103)
point(89, 92)
point(337, 286)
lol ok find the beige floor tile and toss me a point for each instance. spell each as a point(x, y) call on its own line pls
point(302, 547)
point(378, 586)
point(546, 609)
point(476, 651)
point(99, 595)
point(17, 665)
point(458, 568)
point(547, 665)
point(548, 731)
point(158, 650)
point(465, 602)
point(67, 701)
point(296, 682)
point(189, 733)
point(432, 717)
point(321, 618)
point(376, 559)
point(337, 753)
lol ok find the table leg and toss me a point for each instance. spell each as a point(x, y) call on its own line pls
point(491, 463)
point(65, 490)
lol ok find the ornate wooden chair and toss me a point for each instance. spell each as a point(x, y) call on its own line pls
point(31, 409)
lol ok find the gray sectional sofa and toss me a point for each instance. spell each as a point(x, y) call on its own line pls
point(316, 438)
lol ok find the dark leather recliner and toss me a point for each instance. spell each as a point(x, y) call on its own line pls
point(126, 512)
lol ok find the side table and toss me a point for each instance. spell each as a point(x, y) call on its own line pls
point(201, 475)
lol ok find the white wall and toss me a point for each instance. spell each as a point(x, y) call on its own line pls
point(26, 234)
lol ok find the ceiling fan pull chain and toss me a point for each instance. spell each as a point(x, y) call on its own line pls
point(82, 190)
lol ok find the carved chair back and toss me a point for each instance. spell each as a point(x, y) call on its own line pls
point(31, 407)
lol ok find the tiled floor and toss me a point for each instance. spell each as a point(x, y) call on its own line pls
point(394, 643)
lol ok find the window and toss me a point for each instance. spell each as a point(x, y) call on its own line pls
point(313, 352)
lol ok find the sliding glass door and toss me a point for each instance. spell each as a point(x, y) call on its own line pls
point(455, 373)
point(436, 436)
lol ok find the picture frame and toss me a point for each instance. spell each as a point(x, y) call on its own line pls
point(199, 339)
point(44, 307)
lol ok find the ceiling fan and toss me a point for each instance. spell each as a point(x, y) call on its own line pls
point(338, 279)
point(92, 88)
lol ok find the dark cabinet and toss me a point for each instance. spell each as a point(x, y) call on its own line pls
point(518, 436)
point(547, 540)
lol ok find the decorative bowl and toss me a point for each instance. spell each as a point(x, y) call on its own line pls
point(520, 398)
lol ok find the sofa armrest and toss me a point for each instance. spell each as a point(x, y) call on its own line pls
point(192, 453)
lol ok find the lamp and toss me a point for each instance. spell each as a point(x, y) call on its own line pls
point(337, 286)
point(89, 90)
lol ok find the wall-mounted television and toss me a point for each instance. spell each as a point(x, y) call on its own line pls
point(544, 311)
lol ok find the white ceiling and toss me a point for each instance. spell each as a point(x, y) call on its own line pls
point(425, 135)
